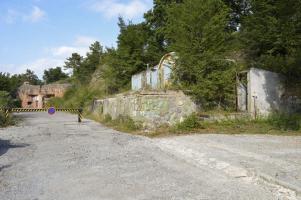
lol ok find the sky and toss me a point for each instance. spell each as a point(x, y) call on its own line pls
point(40, 34)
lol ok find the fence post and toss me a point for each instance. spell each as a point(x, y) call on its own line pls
point(6, 114)
point(80, 112)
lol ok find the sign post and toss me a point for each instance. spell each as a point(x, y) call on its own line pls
point(51, 110)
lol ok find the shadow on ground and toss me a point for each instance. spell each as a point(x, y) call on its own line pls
point(5, 145)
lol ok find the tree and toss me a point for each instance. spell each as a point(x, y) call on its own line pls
point(238, 10)
point(31, 77)
point(74, 63)
point(271, 36)
point(129, 58)
point(83, 68)
point(54, 74)
point(92, 60)
point(156, 22)
point(199, 34)
point(5, 82)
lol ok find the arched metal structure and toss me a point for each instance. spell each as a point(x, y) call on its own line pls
point(165, 67)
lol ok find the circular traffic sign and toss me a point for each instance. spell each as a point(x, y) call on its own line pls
point(51, 110)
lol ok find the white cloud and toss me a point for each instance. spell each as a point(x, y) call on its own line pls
point(38, 66)
point(84, 40)
point(36, 15)
point(64, 51)
point(80, 45)
point(56, 57)
point(115, 8)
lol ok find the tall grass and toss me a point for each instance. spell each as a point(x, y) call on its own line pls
point(192, 122)
point(121, 123)
point(278, 123)
point(285, 122)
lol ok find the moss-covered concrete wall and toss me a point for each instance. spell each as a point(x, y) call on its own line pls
point(152, 109)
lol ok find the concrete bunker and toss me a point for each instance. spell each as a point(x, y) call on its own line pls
point(37, 96)
point(261, 92)
point(150, 102)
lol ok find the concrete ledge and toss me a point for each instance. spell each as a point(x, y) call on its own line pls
point(150, 108)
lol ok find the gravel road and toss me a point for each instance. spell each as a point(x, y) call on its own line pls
point(55, 158)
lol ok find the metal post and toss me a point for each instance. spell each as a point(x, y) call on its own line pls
point(80, 112)
point(6, 114)
point(255, 107)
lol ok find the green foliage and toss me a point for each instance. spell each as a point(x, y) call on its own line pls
point(271, 35)
point(130, 57)
point(191, 123)
point(107, 118)
point(6, 121)
point(238, 10)
point(156, 22)
point(125, 123)
point(5, 102)
point(30, 77)
point(54, 74)
point(198, 31)
point(122, 123)
point(5, 84)
point(83, 68)
point(10, 83)
point(285, 121)
point(5, 99)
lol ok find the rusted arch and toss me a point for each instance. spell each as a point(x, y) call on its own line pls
point(160, 68)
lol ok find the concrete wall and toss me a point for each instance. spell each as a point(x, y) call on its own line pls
point(152, 109)
point(241, 97)
point(265, 91)
point(148, 79)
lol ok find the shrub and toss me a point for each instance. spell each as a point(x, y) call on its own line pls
point(2, 120)
point(6, 121)
point(285, 121)
point(192, 122)
point(107, 118)
point(126, 123)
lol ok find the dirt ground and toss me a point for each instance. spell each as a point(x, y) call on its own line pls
point(54, 157)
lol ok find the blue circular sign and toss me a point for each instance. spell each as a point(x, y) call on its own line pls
point(51, 110)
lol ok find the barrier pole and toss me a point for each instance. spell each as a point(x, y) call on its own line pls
point(80, 112)
point(6, 114)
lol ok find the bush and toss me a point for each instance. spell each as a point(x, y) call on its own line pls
point(126, 123)
point(2, 120)
point(192, 122)
point(6, 121)
point(285, 121)
point(107, 118)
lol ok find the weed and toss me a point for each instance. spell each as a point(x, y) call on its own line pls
point(192, 122)
point(285, 121)
point(107, 118)
point(6, 121)
point(121, 123)
point(125, 123)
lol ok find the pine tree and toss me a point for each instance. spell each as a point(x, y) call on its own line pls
point(272, 36)
point(198, 32)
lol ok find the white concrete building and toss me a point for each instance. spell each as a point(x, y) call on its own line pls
point(260, 92)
